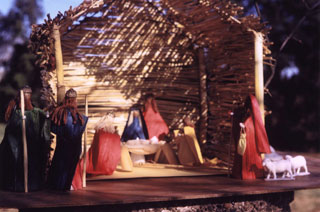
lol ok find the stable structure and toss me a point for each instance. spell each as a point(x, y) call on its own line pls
point(199, 58)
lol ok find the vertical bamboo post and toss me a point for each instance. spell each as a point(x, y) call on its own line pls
point(84, 183)
point(59, 64)
point(230, 145)
point(258, 63)
point(24, 141)
point(203, 97)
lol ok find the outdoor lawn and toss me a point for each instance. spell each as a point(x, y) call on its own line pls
point(306, 201)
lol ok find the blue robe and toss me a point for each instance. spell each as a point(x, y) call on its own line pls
point(67, 153)
point(135, 127)
point(11, 151)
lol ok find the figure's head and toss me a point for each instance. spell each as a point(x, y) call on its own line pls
point(71, 93)
point(265, 162)
point(288, 157)
point(188, 122)
point(27, 91)
point(60, 113)
point(135, 113)
point(150, 102)
point(70, 98)
point(149, 97)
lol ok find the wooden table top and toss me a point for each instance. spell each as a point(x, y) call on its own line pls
point(140, 190)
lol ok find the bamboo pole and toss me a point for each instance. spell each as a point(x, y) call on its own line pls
point(258, 67)
point(59, 64)
point(203, 97)
point(24, 140)
point(84, 183)
point(230, 145)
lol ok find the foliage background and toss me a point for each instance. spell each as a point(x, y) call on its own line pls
point(15, 59)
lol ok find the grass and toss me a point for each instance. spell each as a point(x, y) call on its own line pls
point(304, 200)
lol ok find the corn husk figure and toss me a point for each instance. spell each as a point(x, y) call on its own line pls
point(11, 147)
point(249, 165)
point(156, 126)
point(104, 153)
point(68, 124)
point(135, 127)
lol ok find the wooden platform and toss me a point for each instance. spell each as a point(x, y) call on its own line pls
point(129, 193)
point(150, 170)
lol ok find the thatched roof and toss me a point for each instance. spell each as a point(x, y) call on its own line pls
point(148, 41)
point(206, 23)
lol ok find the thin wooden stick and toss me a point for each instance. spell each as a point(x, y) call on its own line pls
point(84, 184)
point(24, 140)
point(258, 58)
point(230, 144)
point(203, 97)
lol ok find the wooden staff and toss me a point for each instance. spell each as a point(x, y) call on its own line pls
point(84, 183)
point(24, 140)
point(230, 145)
point(258, 58)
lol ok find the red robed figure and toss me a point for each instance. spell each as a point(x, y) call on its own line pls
point(104, 153)
point(249, 166)
point(155, 124)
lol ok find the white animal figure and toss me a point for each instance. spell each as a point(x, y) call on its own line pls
point(297, 163)
point(280, 166)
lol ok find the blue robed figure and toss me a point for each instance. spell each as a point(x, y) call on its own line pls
point(68, 125)
point(135, 126)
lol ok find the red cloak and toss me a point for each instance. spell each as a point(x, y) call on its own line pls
point(155, 124)
point(102, 157)
point(249, 166)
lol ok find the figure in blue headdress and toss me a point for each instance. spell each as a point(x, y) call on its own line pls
point(135, 127)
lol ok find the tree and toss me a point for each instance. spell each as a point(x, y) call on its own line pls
point(14, 33)
point(295, 103)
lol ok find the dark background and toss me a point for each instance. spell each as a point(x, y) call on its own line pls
point(294, 124)
point(295, 104)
